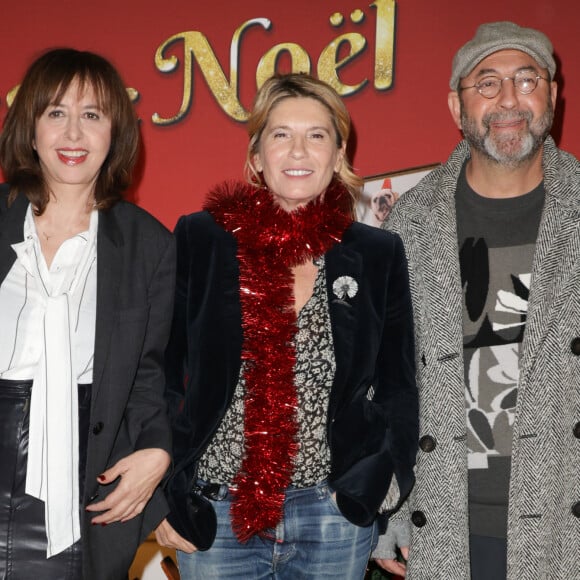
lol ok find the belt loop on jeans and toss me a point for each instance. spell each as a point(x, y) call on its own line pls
point(323, 489)
point(213, 491)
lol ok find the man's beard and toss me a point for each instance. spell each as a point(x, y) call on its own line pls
point(510, 149)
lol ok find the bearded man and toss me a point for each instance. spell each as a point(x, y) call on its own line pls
point(493, 243)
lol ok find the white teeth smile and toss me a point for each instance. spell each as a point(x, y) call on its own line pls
point(297, 172)
point(80, 153)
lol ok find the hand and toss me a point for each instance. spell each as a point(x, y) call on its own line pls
point(394, 566)
point(140, 474)
point(168, 537)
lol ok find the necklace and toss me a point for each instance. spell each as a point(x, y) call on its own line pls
point(64, 233)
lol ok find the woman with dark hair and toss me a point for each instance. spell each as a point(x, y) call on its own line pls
point(290, 368)
point(86, 291)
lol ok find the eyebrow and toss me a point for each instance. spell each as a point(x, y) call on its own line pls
point(313, 128)
point(495, 72)
point(61, 104)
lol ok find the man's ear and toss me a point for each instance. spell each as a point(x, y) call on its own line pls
point(455, 108)
point(553, 93)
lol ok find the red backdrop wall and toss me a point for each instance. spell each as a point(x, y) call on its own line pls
point(407, 125)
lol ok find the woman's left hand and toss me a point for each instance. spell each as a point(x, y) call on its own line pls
point(140, 474)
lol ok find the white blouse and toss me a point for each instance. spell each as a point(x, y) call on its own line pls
point(48, 319)
point(22, 306)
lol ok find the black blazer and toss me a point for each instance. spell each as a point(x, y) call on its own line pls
point(135, 289)
point(373, 414)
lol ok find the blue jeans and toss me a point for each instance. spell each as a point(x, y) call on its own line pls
point(314, 541)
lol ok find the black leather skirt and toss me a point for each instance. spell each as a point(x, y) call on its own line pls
point(22, 530)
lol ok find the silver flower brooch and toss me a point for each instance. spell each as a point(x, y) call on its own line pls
point(344, 288)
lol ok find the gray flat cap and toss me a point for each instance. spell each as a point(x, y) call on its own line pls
point(495, 36)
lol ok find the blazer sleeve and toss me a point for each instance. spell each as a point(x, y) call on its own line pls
point(204, 352)
point(146, 410)
point(396, 387)
point(177, 350)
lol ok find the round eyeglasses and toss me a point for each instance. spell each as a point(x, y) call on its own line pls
point(525, 83)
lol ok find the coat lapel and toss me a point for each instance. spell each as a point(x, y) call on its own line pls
point(439, 301)
point(11, 232)
point(556, 259)
point(436, 236)
point(342, 261)
point(109, 268)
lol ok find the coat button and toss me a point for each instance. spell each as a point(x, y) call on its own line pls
point(576, 430)
point(575, 346)
point(418, 518)
point(576, 509)
point(98, 427)
point(427, 443)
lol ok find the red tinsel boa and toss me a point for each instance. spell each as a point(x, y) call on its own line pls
point(270, 243)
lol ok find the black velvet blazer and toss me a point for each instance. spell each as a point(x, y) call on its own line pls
point(373, 414)
point(135, 289)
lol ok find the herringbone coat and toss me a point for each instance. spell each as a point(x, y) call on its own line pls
point(544, 495)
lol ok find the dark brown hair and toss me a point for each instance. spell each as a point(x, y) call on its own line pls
point(44, 84)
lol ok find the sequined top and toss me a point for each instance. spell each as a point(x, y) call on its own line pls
point(314, 374)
